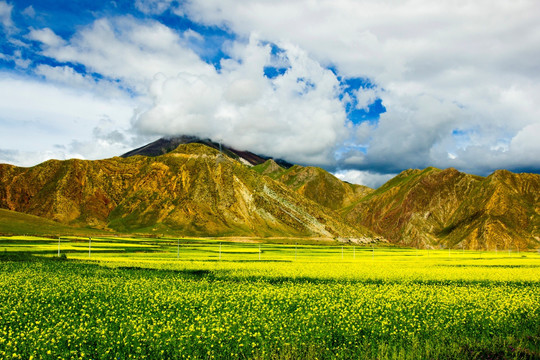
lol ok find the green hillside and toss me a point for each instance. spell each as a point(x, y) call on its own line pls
point(16, 223)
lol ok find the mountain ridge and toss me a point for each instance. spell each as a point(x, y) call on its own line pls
point(192, 190)
point(195, 189)
point(316, 184)
point(163, 146)
point(433, 208)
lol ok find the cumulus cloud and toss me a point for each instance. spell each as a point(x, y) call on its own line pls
point(446, 68)
point(365, 97)
point(407, 137)
point(30, 158)
point(68, 76)
point(46, 36)
point(297, 115)
point(459, 80)
point(520, 154)
point(29, 11)
point(17, 58)
point(367, 178)
point(121, 56)
point(125, 49)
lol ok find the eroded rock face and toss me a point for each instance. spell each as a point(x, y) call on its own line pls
point(316, 184)
point(433, 207)
point(193, 190)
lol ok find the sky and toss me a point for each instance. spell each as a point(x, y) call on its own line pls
point(362, 88)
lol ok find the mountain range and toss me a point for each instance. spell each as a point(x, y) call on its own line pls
point(192, 190)
point(188, 186)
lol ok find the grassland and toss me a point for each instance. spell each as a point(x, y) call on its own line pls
point(191, 298)
point(13, 222)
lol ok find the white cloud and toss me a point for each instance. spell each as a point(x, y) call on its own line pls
point(456, 78)
point(126, 49)
point(442, 66)
point(19, 60)
point(69, 77)
point(367, 178)
point(519, 154)
point(409, 133)
point(63, 74)
point(297, 116)
point(5, 15)
point(30, 158)
point(527, 141)
point(69, 107)
point(46, 36)
point(365, 97)
point(57, 115)
point(153, 7)
point(29, 11)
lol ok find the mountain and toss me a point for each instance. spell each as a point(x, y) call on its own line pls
point(316, 184)
point(433, 208)
point(195, 189)
point(192, 190)
point(165, 145)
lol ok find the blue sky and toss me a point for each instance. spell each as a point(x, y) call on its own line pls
point(363, 88)
point(65, 18)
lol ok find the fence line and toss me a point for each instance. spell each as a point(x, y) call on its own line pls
point(205, 249)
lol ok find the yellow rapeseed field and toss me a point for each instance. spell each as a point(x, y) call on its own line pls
point(198, 300)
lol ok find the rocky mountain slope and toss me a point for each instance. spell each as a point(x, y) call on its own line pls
point(316, 184)
point(197, 190)
point(433, 208)
point(193, 190)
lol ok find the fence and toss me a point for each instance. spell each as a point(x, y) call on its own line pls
point(188, 249)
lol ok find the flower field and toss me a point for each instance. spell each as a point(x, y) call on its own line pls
point(199, 299)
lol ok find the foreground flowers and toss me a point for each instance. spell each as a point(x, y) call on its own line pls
point(310, 309)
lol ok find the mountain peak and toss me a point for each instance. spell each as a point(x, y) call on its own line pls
point(270, 168)
point(432, 208)
point(165, 145)
point(193, 149)
point(315, 184)
point(502, 174)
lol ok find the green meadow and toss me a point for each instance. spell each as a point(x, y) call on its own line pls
point(168, 298)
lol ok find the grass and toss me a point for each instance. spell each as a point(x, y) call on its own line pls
point(12, 222)
point(143, 298)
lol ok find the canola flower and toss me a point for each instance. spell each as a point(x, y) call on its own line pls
point(319, 308)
